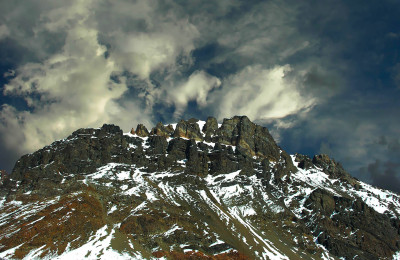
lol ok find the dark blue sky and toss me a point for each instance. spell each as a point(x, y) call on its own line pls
point(324, 76)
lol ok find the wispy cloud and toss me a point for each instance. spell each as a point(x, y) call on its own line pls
point(261, 94)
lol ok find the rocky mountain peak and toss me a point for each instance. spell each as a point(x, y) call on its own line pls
point(161, 130)
point(141, 131)
point(196, 190)
point(188, 129)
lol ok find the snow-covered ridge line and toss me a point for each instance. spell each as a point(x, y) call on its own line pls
point(183, 196)
point(382, 201)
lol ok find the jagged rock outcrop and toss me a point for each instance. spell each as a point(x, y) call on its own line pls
point(188, 129)
point(161, 130)
point(141, 131)
point(209, 128)
point(304, 161)
point(87, 149)
point(80, 153)
point(192, 189)
point(372, 233)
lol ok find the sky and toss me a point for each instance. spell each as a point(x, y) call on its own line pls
point(323, 76)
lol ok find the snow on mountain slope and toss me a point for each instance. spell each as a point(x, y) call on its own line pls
point(194, 189)
point(225, 196)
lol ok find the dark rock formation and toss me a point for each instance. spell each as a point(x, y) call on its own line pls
point(330, 166)
point(373, 233)
point(304, 161)
point(255, 139)
point(234, 179)
point(188, 129)
point(209, 128)
point(82, 152)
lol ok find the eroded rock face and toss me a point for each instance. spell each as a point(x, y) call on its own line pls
point(188, 129)
point(82, 152)
point(196, 185)
point(304, 161)
point(141, 131)
point(161, 130)
point(88, 149)
point(373, 233)
point(255, 139)
point(332, 168)
point(209, 128)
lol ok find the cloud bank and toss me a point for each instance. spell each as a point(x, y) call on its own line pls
point(82, 79)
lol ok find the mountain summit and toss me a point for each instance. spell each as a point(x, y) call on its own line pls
point(191, 190)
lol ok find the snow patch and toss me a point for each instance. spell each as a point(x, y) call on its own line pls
point(174, 228)
point(98, 247)
point(201, 124)
point(151, 196)
point(10, 252)
point(218, 242)
point(113, 208)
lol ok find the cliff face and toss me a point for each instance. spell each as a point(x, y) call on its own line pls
point(195, 189)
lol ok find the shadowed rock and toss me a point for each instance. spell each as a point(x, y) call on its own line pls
point(373, 233)
point(254, 139)
point(209, 128)
point(235, 156)
point(332, 168)
point(304, 161)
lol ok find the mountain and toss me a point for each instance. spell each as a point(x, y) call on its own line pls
point(191, 190)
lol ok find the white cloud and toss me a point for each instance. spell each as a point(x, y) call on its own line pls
point(261, 93)
point(196, 88)
point(64, 16)
point(71, 89)
point(143, 53)
point(69, 86)
point(74, 91)
point(143, 40)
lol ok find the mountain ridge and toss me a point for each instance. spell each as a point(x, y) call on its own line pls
point(191, 189)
